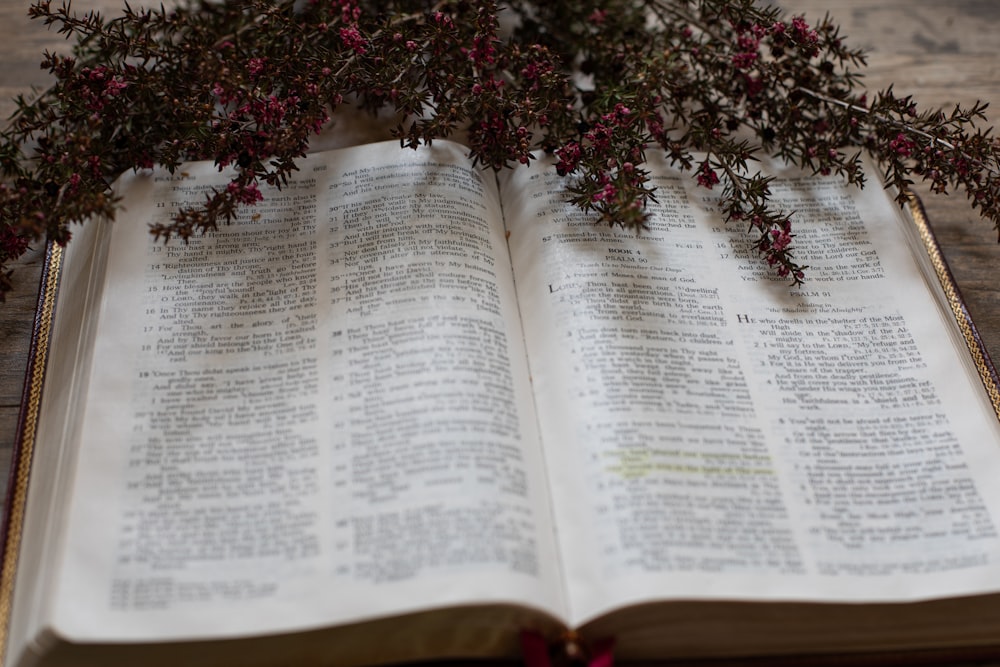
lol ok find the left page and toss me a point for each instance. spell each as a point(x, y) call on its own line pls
point(316, 415)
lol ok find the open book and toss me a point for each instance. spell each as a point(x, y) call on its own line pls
point(406, 410)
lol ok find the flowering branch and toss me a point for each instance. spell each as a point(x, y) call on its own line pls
point(711, 84)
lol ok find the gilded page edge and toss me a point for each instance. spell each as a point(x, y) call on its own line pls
point(980, 356)
point(24, 443)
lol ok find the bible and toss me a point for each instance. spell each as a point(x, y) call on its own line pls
point(406, 409)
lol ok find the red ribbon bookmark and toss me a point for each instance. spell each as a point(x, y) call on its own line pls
point(571, 650)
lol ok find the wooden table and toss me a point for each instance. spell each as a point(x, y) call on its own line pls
point(942, 52)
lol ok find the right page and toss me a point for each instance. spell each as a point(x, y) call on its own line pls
point(713, 432)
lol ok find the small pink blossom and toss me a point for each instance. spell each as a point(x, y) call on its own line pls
point(707, 178)
point(808, 37)
point(255, 66)
point(353, 40)
point(606, 194)
point(483, 53)
point(569, 158)
point(780, 239)
point(902, 145)
point(745, 60)
point(245, 194)
point(12, 244)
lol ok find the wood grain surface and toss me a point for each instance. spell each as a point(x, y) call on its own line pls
point(942, 52)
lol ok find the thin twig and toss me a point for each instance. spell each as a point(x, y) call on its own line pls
point(934, 141)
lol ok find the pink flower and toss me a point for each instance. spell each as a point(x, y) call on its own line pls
point(483, 53)
point(255, 66)
point(114, 86)
point(902, 145)
point(744, 60)
point(245, 194)
point(618, 116)
point(606, 194)
point(749, 45)
point(599, 136)
point(707, 178)
point(353, 40)
point(780, 239)
point(12, 244)
point(569, 158)
point(443, 19)
point(349, 11)
point(808, 37)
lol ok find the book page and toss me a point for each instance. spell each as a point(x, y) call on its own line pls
point(722, 434)
point(318, 414)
